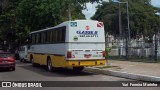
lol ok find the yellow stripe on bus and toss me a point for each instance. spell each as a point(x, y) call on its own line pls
point(60, 61)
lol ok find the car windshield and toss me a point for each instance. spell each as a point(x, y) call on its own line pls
point(5, 55)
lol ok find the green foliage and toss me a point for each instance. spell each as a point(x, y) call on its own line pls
point(141, 13)
point(108, 50)
point(7, 21)
point(19, 17)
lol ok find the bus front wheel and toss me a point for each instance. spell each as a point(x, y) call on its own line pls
point(33, 64)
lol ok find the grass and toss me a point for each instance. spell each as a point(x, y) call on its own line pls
point(103, 67)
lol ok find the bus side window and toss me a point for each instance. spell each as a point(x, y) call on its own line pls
point(50, 36)
point(61, 40)
point(42, 35)
point(44, 39)
point(55, 36)
point(39, 38)
point(63, 34)
point(58, 35)
point(47, 36)
point(33, 38)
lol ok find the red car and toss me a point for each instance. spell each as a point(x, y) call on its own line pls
point(7, 60)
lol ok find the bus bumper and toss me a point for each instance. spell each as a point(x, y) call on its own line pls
point(77, 63)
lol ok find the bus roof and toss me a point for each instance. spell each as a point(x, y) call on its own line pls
point(60, 25)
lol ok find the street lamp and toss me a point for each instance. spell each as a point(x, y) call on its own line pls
point(156, 43)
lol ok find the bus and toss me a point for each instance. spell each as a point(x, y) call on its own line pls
point(72, 44)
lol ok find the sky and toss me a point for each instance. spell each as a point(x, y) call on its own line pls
point(91, 8)
point(155, 3)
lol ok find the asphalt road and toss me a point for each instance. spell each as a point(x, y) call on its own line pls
point(26, 72)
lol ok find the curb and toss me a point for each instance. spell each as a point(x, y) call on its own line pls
point(123, 74)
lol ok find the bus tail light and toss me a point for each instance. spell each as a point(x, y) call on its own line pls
point(69, 54)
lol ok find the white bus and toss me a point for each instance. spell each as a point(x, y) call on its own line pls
point(73, 44)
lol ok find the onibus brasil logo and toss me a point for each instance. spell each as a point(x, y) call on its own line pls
point(21, 84)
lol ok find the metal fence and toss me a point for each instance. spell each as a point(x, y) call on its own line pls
point(137, 49)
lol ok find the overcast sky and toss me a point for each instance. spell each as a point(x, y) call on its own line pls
point(91, 8)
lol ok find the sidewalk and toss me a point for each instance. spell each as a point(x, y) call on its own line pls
point(150, 69)
point(131, 70)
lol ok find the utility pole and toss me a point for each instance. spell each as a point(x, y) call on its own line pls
point(69, 10)
point(129, 37)
point(127, 28)
point(120, 30)
point(127, 42)
point(128, 32)
point(156, 43)
point(120, 22)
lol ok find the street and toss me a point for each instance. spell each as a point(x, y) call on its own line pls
point(26, 72)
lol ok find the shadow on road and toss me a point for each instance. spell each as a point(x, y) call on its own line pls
point(21, 63)
point(5, 70)
point(57, 73)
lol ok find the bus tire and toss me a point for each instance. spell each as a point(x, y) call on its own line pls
point(49, 65)
point(78, 69)
point(32, 61)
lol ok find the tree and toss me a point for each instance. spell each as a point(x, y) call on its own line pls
point(141, 12)
point(7, 20)
point(19, 17)
point(39, 14)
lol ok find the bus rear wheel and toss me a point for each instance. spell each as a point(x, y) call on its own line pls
point(49, 65)
point(78, 69)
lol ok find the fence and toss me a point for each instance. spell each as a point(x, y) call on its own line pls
point(138, 49)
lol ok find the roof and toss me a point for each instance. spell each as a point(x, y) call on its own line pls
point(60, 25)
